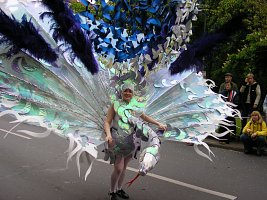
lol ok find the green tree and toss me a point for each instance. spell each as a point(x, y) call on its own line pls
point(245, 49)
point(76, 6)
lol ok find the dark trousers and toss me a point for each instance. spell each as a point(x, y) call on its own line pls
point(249, 143)
point(232, 128)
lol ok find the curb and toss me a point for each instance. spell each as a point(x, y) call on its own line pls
point(232, 146)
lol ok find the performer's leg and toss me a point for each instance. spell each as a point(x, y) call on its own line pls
point(126, 161)
point(120, 191)
point(118, 168)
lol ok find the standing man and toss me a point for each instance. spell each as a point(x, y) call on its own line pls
point(251, 95)
point(228, 79)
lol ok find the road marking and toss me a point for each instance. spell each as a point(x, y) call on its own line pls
point(193, 187)
point(9, 132)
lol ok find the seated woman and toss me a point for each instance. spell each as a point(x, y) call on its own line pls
point(254, 133)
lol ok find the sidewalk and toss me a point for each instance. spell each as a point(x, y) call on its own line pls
point(233, 145)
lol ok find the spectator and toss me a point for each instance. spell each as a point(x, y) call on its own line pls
point(228, 79)
point(265, 108)
point(251, 94)
point(254, 133)
point(229, 95)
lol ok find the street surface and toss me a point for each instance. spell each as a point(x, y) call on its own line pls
point(36, 169)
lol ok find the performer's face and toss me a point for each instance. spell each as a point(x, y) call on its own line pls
point(127, 95)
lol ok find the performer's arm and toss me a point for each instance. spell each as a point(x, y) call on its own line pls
point(107, 123)
point(153, 121)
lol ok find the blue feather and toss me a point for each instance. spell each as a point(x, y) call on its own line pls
point(68, 29)
point(191, 58)
point(23, 35)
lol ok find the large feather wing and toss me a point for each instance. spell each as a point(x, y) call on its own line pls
point(188, 105)
point(62, 97)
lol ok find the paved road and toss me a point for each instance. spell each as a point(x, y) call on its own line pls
point(35, 169)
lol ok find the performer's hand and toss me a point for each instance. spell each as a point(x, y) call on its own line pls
point(162, 126)
point(255, 106)
point(109, 139)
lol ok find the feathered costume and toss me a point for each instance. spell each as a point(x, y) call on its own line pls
point(61, 71)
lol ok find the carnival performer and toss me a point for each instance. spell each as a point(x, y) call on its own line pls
point(121, 142)
point(58, 70)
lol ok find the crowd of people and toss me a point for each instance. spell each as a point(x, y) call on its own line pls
point(247, 99)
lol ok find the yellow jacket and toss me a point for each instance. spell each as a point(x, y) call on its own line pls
point(256, 127)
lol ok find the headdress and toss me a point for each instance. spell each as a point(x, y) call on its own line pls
point(127, 86)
